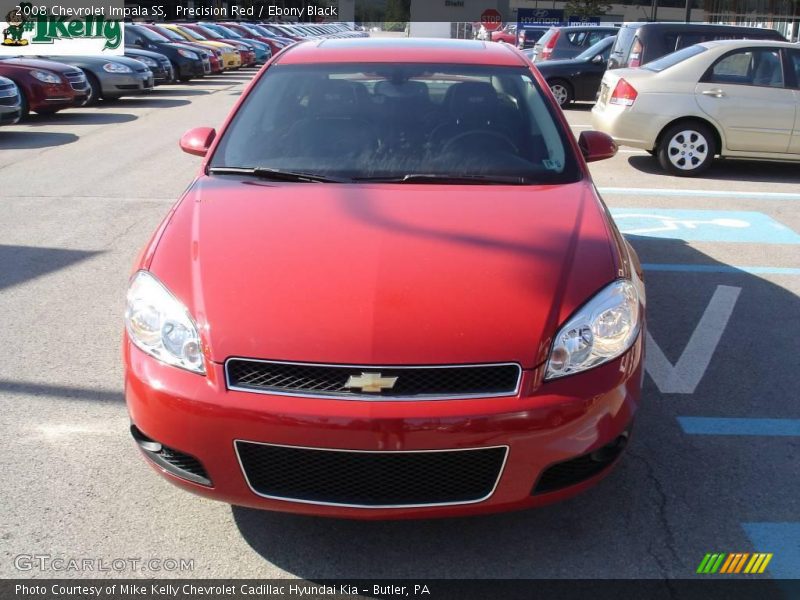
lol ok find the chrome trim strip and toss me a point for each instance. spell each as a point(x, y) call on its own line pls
point(367, 397)
point(373, 506)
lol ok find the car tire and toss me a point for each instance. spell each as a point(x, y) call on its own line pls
point(562, 91)
point(687, 149)
point(25, 110)
point(95, 91)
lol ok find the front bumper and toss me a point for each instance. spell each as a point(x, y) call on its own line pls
point(115, 85)
point(543, 425)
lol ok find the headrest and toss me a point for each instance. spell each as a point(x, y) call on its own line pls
point(472, 99)
point(333, 96)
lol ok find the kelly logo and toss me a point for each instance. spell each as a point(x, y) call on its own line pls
point(738, 562)
point(49, 29)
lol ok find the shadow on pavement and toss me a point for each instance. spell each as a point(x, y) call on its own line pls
point(79, 117)
point(23, 263)
point(730, 170)
point(9, 386)
point(21, 140)
point(656, 514)
point(161, 91)
point(141, 102)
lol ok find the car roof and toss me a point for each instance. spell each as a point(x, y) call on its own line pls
point(408, 50)
point(747, 43)
point(684, 25)
point(569, 28)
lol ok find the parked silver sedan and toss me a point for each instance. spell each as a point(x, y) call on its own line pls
point(732, 98)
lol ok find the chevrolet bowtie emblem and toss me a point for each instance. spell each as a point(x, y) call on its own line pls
point(370, 382)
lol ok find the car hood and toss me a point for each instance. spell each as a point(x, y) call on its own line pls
point(97, 62)
point(35, 63)
point(383, 274)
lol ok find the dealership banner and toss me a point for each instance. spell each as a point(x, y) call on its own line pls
point(434, 589)
point(62, 28)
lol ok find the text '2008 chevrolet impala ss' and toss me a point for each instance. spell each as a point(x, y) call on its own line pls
point(392, 291)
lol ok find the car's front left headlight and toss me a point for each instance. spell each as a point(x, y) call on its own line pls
point(160, 325)
point(111, 67)
point(148, 61)
point(601, 330)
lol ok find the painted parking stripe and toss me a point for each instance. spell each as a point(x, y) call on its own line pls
point(703, 225)
point(673, 192)
point(740, 426)
point(780, 539)
point(685, 268)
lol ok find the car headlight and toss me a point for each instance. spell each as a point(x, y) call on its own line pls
point(602, 329)
point(46, 76)
point(110, 67)
point(148, 61)
point(161, 326)
point(187, 54)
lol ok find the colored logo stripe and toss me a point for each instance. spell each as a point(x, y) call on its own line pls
point(734, 562)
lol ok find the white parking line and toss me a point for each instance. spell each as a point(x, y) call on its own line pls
point(754, 195)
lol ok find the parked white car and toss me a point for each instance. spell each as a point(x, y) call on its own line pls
point(732, 98)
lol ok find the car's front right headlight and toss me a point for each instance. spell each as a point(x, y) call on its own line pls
point(160, 325)
point(46, 76)
point(601, 330)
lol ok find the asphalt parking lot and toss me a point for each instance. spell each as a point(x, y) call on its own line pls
point(712, 466)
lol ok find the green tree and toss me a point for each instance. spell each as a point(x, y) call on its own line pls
point(398, 12)
point(587, 8)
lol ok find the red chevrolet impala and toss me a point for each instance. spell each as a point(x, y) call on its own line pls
point(392, 291)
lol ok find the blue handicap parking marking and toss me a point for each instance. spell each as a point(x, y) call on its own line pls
point(740, 426)
point(783, 541)
point(704, 225)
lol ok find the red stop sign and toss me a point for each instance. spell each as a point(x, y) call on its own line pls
point(491, 19)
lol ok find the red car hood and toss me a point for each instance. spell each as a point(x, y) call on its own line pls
point(34, 63)
point(384, 274)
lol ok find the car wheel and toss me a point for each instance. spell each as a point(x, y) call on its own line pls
point(25, 110)
point(687, 149)
point(94, 89)
point(562, 92)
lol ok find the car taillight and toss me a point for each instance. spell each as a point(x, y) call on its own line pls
point(624, 94)
point(550, 45)
point(635, 57)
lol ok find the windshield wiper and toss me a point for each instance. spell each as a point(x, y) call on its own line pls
point(452, 179)
point(278, 174)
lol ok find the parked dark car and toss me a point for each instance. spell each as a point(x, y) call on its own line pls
point(111, 77)
point(528, 36)
point(10, 102)
point(186, 60)
point(568, 42)
point(156, 62)
point(639, 43)
point(577, 78)
point(47, 86)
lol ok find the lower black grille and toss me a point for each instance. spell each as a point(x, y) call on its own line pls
point(576, 470)
point(391, 382)
point(371, 479)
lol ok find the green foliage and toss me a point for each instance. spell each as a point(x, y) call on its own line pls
point(587, 8)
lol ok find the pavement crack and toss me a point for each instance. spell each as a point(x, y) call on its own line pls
point(663, 519)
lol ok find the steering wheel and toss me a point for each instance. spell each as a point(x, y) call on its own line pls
point(480, 132)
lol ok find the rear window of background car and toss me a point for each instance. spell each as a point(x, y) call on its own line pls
point(670, 60)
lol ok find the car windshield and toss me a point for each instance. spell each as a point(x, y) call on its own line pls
point(151, 35)
point(600, 47)
point(208, 32)
point(388, 121)
point(176, 37)
point(192, 34)
point(231, 32)
point(670, 60)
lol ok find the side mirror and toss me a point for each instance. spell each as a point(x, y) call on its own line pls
point(596, 145)
point(598, 59)
point(197, 141)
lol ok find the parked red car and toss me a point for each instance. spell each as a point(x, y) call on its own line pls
point(47, 86)
point(507, 34)
point(392, 291)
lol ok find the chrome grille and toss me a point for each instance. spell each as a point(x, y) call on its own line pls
point(397, 382)
point(77, 80)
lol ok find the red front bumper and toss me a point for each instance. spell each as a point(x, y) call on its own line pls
point(544, 424)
